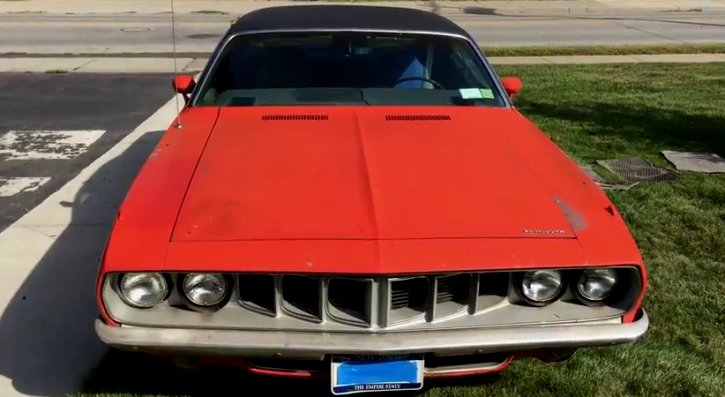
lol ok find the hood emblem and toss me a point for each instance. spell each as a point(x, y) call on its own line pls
point(544, 231)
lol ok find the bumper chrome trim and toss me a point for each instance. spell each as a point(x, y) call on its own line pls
point(316, 344)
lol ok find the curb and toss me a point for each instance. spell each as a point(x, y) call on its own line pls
point(469, 7)
point(482, 10)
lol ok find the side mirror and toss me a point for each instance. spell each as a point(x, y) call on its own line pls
point(512, 85)
point(183, 85)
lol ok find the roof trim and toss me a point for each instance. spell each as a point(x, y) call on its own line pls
point(340, 16)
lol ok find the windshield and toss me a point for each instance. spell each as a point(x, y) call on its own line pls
point(348, 69)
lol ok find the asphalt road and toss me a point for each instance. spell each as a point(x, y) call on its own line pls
point(130, 33)
point(53, 126)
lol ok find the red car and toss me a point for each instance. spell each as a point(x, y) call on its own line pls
point(352, 194)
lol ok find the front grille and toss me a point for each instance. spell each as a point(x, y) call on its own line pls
point(371, 302)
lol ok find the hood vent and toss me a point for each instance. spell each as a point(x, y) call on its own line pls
point(295, 117)
point(418, 117)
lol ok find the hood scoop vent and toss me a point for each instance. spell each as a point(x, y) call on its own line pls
point(418, 117)
point(295, 117)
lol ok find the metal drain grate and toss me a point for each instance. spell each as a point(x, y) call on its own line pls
point(637, 169)
point(202, 36)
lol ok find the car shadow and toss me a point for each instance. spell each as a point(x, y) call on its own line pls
point(154, 376)
point(131, 373)
point(47, 337)
point(641, 126)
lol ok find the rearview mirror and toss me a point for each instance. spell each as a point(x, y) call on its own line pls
point(512, 85)
point(183, 85)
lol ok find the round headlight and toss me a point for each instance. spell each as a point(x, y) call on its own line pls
point(541, 286)
point(143, 290)
point(596, 284)
point(205, 289)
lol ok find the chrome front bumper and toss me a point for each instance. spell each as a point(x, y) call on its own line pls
point(316, 345)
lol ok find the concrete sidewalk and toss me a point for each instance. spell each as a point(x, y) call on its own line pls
point(194, 65)
point(51, 254)
point(238, 7)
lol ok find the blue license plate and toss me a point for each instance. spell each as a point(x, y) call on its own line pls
point(356, 374)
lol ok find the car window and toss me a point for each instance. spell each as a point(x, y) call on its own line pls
point(348, 69)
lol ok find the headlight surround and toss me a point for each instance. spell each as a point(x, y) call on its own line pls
point(143, 290)
point(205, 289)
point(596, 285)
point(541, 287)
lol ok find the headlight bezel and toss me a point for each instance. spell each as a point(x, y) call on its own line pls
point(629, 285)
point(167, 284)
point(603, 273)
point(621, 287)
point(518, 279)
point(230, 287)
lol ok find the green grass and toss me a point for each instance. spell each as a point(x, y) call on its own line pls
point(592, 112)
point(718, 48)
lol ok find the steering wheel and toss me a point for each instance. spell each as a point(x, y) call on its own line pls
point(436, 84)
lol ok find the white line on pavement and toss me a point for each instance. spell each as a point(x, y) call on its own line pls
point(47, 145)
point(12, 186)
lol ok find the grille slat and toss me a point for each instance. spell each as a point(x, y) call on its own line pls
point(257, 291)
point(400, 298)
point(301, 296)
point(454, 288)
point(452, 295)
point(408, 300)
point(348, 299)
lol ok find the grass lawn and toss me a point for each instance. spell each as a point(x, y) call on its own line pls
point(592, 112)
point(716, 48)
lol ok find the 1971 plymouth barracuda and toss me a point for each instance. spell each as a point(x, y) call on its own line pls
point(349, 192)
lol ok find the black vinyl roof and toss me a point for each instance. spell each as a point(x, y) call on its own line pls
point(343, 17)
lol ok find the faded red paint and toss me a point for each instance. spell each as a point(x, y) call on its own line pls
point(371, 256)
point(140, 235)
point(360, 177)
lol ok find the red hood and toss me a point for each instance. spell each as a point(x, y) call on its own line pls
point(363, 173)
